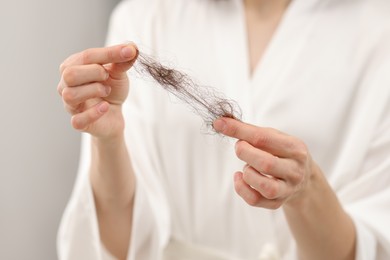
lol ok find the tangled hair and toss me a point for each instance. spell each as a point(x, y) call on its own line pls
point(203, 100)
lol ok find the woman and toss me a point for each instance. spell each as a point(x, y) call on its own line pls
point(312, 162)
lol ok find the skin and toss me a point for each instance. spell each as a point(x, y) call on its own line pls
point(262, 19)
point(279, 172)
point(293, 181)
point(93, 87)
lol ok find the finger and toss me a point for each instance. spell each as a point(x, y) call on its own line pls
point(251, 196)
point(268, 139)
point(82, 120)
point(262, 161)
point(82, 106)
point(269, 187)
point(83, 74)
point(113, 54)
point(74, 96)
point(116, 70)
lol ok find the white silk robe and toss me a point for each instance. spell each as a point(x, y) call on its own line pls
point(324, 78)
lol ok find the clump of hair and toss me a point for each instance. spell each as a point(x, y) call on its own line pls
point(205, 101)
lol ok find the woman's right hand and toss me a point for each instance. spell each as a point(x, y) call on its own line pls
point(93, 86)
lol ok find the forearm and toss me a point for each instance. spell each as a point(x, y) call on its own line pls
point(93, 86)
point(113, 185)
point(320, 226)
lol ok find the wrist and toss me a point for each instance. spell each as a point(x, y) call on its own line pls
point(314, 183)
point(111, 141)
point(110, 128)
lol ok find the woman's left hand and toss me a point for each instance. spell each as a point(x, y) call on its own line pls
point(278, 166)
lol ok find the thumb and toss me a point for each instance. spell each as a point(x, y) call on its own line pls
point(118, 70)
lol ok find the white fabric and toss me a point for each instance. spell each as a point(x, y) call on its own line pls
point(325, 78)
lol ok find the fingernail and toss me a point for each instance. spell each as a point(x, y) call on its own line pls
point(219, 125)
point(103, 107)
point(127, 52)
point(108, 90)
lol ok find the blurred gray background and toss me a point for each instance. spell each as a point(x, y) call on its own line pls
point(38, 148)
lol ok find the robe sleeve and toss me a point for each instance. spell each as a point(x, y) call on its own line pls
point(362, 182)
point(78, 235)
point(367, 197)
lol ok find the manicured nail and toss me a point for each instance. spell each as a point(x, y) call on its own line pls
point(103, 107)
point(108, 90)
point(127, 52)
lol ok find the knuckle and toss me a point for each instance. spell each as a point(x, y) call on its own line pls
point(260, 140)
point(268, 191)
point(267, 165)
point(68, 62)
point(86, 56)
point(297, 177)
point(302, 155)
point(62, 67)
point(69, 76)
point(252, 200)
point(59, 89)
point(68, 109)
point(77, 123)
point(300, 150)
point(68, 95)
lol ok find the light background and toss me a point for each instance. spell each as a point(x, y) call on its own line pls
point(38, 148)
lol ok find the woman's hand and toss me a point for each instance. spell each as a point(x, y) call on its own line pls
point(278, 166)
point(281, 172)
point(93, 87)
